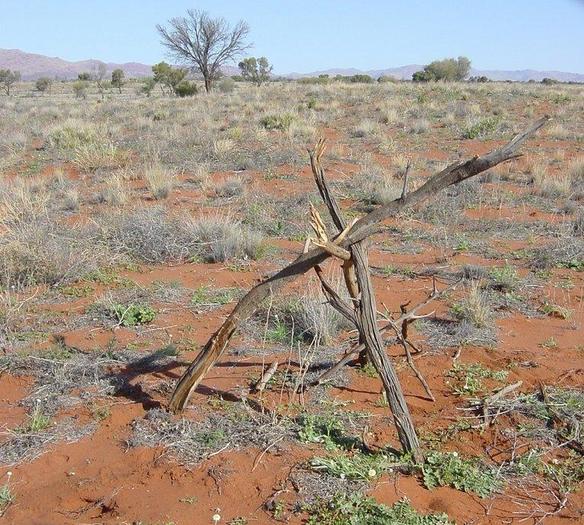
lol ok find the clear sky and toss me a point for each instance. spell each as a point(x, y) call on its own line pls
point(308, 35)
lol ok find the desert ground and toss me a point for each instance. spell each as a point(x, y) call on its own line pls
point(130, 227)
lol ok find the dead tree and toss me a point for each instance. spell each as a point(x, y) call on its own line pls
point(348, 244)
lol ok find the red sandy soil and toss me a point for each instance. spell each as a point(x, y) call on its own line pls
point(100, 480)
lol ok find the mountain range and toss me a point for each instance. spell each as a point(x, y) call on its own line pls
point(33, 66)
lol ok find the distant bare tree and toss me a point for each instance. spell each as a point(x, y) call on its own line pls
point(100, 73)
point(8, 78)
point(204, 43)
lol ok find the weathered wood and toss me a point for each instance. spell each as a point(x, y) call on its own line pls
point(333, 298)
point(363, 228)
point(266, 376)
point(369, 330)
point(326, 376)
point(358, 281)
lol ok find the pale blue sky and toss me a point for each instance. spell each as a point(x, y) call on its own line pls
point(308, 35)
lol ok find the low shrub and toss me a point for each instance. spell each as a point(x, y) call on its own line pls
point(186, 89)
point(277, 122)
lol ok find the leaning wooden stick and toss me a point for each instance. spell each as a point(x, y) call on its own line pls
point(363, 228)
point(358, 282)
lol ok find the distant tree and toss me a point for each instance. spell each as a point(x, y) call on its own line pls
point(462, 68)
point(118, 79)
point(549, 81)
point(448, 69)
point(80, 88)
point(86, 77)
point(43, 84)
point(100, 74)
point(421, 76)
point(256, 70)
point(383, 79)
point(321, 79)
point(361, 79)
point(148, 86)
point(479, 79)
point(8, 78)
point(168, 77)
point(204, 43)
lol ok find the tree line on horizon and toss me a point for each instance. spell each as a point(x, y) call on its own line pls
point(203, 45)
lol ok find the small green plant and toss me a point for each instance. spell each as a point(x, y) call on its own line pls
point(133, 314)
point(278, 510)
point(211, 438)
point(463, 245)
point(406, 271)
point(37, 421)
point(77, 291)
point(550, 343)
point(568, 472)
point(356, 466)
point(505, 278)
point(278, 332)
point(6, 496)
point(468, 379)
point(442, 469)
point(277, 122)
point(368, 370)
point(356, 509)
point(382, 401)
point(204, 296)
point(573, 264)
point(554, 310)
point(325, 429)
point(59, 352)
point(481, 128)
point(109, 277)
point(170, 350)
point(528, 463)
point(100, 412)
point(238, 521)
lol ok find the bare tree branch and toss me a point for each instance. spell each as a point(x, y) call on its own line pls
point(363, 228)
point(204, 44)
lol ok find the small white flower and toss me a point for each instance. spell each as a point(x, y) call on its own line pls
point(343, 475)
point(372, 473)
point(216, 518)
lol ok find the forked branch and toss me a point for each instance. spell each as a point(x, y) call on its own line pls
point(363, 228)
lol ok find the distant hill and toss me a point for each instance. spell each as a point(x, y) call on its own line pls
point(33, 66)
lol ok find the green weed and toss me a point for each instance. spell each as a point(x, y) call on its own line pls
point(442, 469)
point(356, 509)
point(133, 314)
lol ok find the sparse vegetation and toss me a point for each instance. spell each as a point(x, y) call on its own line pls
point(469, 475)
point(160, 180)
point(343, 509)
point(130, 227)
point(133, 314)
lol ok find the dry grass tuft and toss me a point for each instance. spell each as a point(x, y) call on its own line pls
point(160, 180)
